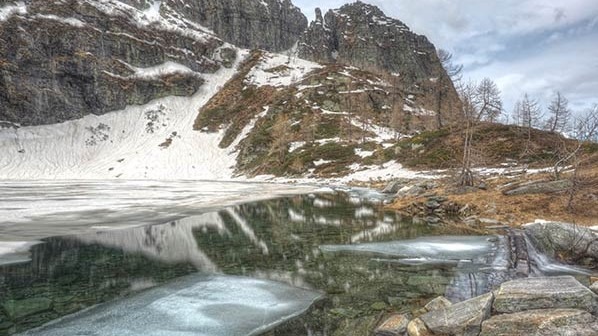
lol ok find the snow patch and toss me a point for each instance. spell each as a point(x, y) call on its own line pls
point(9, 10)
point(280, 70)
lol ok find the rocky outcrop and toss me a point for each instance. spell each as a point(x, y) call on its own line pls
point(361, 35)
point(463, 318)
point(273, 25)
point(563, 240)
point(538, 187)
point(531, 306)
point(543, 293)
point(62, 60)
point(542, 322)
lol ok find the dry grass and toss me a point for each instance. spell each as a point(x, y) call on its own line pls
point(521, 209)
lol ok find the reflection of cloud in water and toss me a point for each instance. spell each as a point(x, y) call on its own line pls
point(172, 243)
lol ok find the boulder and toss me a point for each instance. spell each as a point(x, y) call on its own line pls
point(594, 287)
point(438, 303)
point(463, 318)
point(552, 238)
point(540, 187)
point(396, 325)
point(393, 187)
point(543, 293)
point(418, 328)
point(542, 322)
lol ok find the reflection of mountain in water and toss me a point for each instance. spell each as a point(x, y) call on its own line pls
point(351, 249)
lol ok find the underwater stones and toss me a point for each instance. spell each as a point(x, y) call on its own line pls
point(463, 318)
point(543, 293)
point(418, 328)
point(396, 325)
point(17, 309)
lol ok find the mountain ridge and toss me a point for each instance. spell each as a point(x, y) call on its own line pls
point(133, 44)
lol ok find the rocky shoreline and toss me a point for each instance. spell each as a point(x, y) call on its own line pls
point(532, 306)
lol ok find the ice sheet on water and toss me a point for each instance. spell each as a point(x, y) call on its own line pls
point(441, 247)
point(196, 305)
point(31, 210)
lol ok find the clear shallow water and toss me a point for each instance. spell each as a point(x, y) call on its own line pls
point(341, 245)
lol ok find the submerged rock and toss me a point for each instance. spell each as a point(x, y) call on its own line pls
point(418, 328)
point(542, 322)
point(396, 325)
point(463, 318)
point(544, 293)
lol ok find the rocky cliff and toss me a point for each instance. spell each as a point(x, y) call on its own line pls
point(273, 25)
point(361, 35)
point(61, 60)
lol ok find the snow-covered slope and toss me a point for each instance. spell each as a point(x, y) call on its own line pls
point(152, 141)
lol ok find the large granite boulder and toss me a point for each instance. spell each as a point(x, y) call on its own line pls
point(544, 293)
point(563, 239)
point(463, 318)
point(547, 322)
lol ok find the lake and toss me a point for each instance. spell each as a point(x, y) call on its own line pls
point(223, 258)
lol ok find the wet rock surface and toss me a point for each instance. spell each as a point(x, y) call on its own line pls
point(541, 322)
point(463, 318)
point(564, 239)
point(530, 306)
point(543, 293)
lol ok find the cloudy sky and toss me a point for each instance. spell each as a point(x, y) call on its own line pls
point(534, 46)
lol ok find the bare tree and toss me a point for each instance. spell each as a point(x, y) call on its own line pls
point(488, 100)
point(454, 72)
point(585, 130)
point(529, 115)
point(479, 102)
point(559, 114)
point(468, 95)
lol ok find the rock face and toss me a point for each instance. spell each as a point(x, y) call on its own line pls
point(362, 35)
point(463, 318)
point(273, 25)
point(543, 293)
point(62, 60)
point(570, 240)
